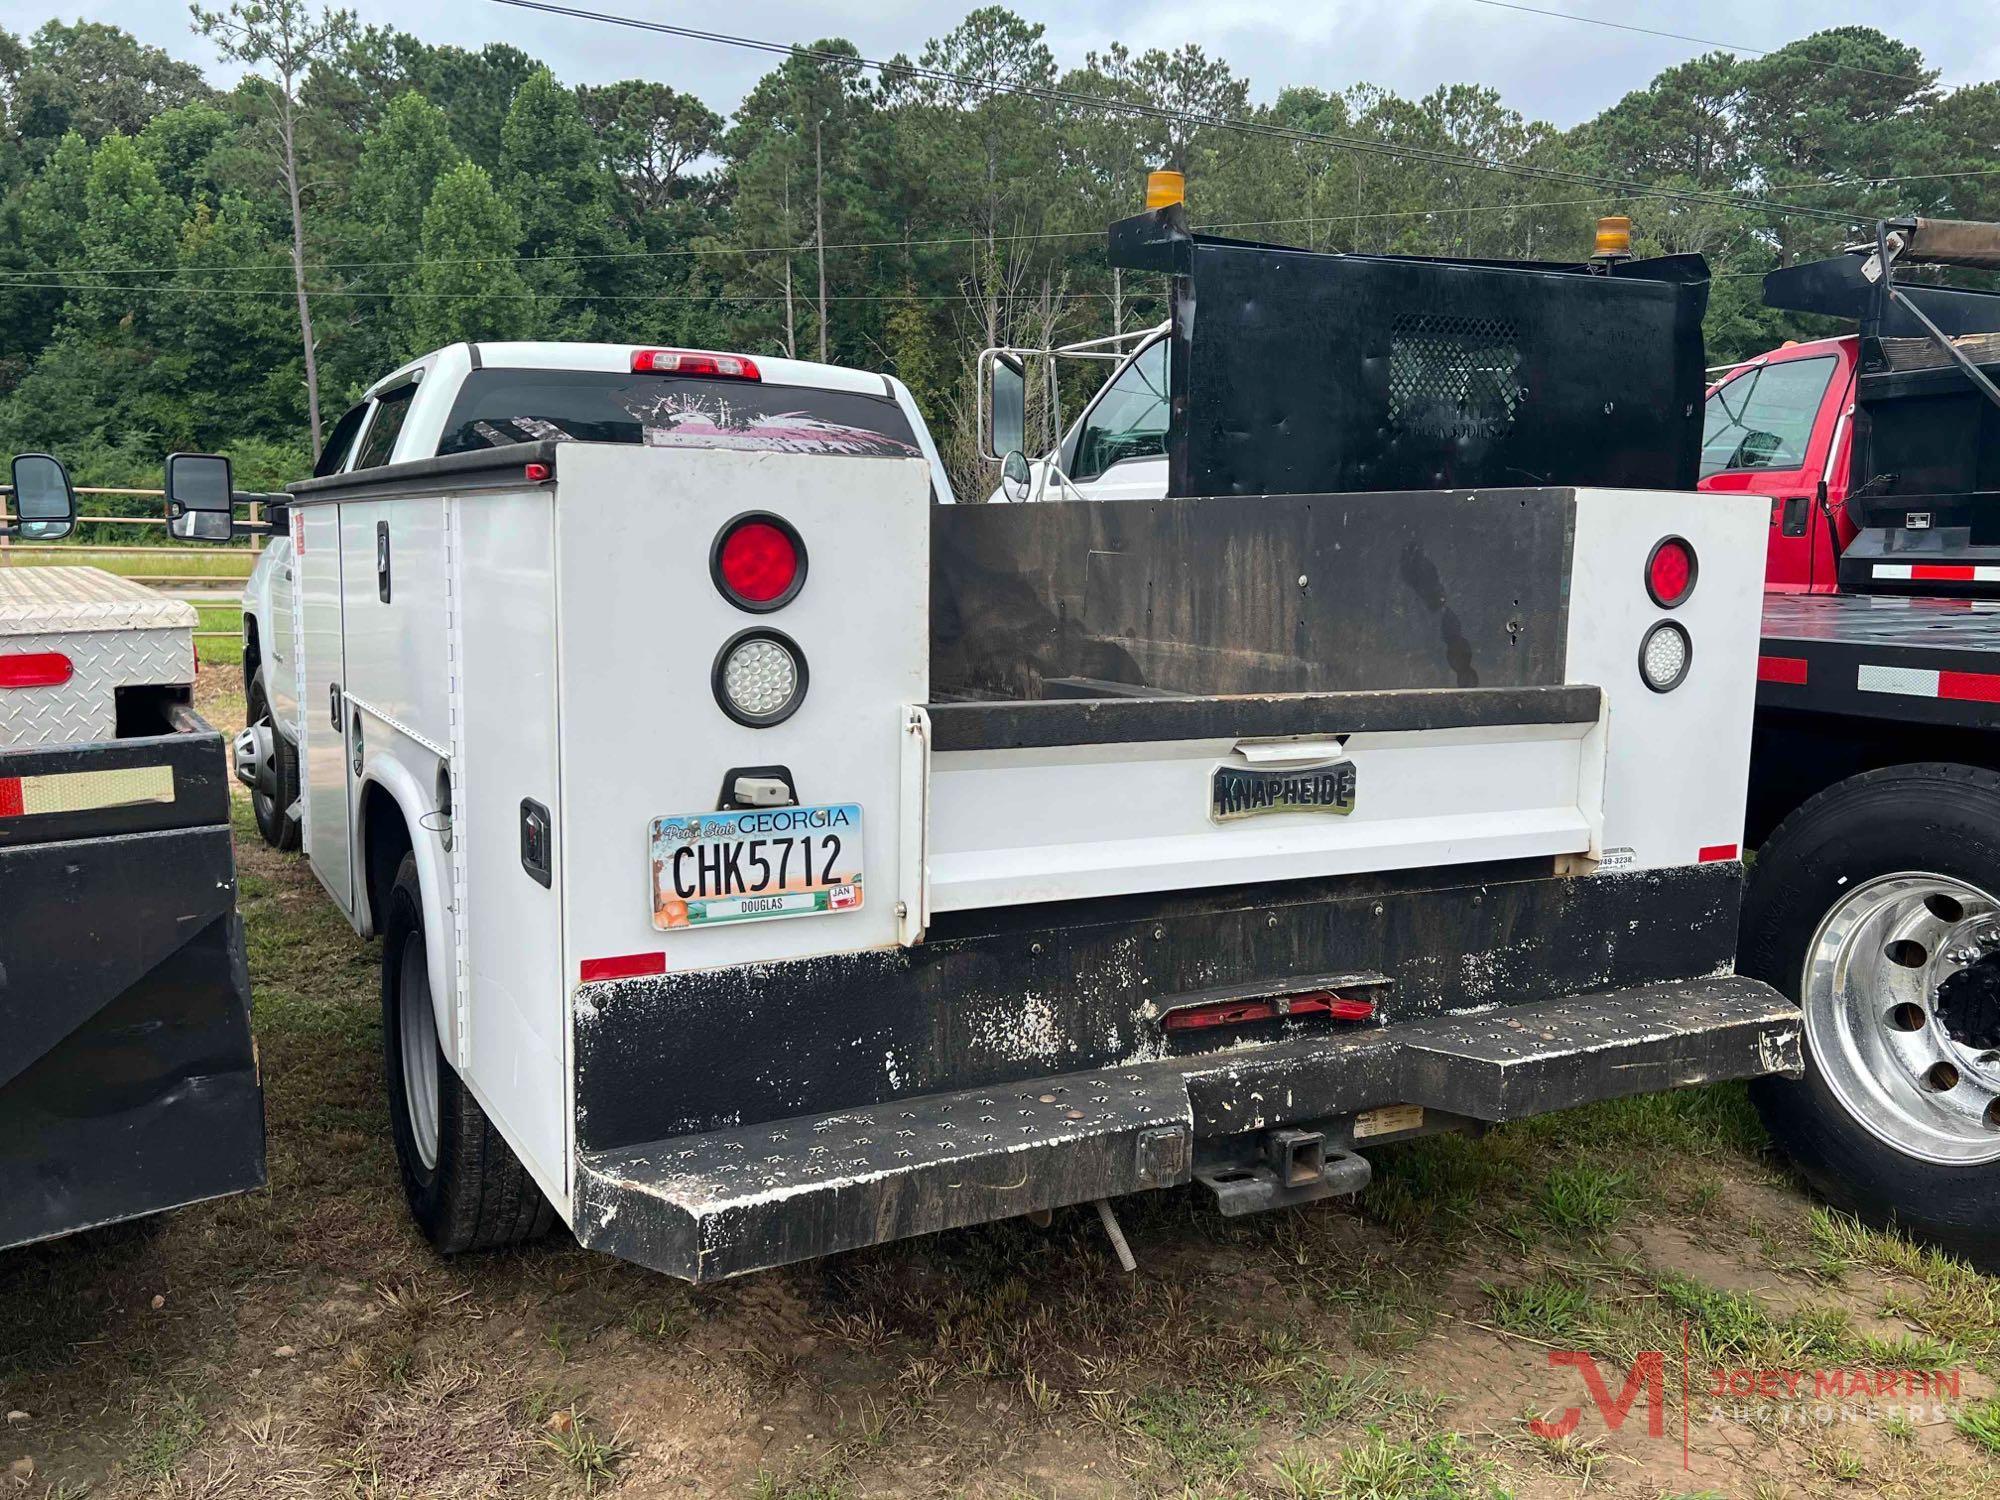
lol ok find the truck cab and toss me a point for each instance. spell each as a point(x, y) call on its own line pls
point(470, 397)
point(1116, 449)
point(1778, 426)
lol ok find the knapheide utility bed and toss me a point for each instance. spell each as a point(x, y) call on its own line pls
point(782, 863)
point(129, 1080)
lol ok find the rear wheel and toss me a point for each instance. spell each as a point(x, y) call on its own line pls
point(466, 1188)
point(1876, 905)
point(274, 785)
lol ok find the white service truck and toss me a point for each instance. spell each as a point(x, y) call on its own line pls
point(771, 860)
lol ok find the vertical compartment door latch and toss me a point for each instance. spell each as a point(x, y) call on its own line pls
point(537, 841)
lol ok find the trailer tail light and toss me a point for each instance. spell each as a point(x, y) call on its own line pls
point(1670, 572)
point(1664, 657)
point(35, 669)
point(758, 562)
point(759, 677)
point(694, 362)
point(1312, 1003)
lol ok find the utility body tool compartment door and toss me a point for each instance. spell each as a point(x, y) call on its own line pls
point(323, 714)
point(513, 1044)
point(642, 626)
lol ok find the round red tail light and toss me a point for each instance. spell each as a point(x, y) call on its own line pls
point(758, 562)
point(1670, 572)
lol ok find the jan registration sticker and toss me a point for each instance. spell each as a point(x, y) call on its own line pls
point(761, 862)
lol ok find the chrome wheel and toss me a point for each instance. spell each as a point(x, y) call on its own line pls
point(1870, 993)
point(417, 1028)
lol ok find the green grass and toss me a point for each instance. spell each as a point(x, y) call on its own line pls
point(1583, 1200)
point(1208, 1434)
point(1437, 1468)
point(212, 649)
point(1980, 1421)
point(1549, 1308)
point(139, 562)
point(169, 1439)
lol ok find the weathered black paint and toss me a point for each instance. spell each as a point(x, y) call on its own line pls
point(129, 1083)
point(993, 997)
point(1409, 590)
point(1124, 721)
point(1294, 370)
point(740, 1199)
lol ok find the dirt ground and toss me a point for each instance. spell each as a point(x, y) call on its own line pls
point(303, 1341)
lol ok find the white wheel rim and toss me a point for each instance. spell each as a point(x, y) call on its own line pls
point(1869, 993)
point(418, 1029)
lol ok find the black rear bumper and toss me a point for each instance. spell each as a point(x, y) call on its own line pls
point(129, 1080)
point(719, 1204)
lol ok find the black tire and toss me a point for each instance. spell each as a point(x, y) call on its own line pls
point(1937, 819)
point(280, 831)
point(476, 1195)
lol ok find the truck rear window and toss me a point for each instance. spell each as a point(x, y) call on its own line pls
point(498, 407)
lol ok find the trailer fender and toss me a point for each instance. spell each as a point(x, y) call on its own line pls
point(387, 775)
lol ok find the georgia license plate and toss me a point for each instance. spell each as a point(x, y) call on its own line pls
point(760, 862)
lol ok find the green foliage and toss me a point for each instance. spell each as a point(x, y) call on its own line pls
point(894, 220)
point(468, 287)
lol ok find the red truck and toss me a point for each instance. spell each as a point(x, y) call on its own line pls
point(1875, 775)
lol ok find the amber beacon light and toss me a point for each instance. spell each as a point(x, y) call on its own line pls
point(1164, 188)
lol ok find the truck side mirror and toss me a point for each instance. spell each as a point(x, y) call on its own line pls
point(200, 497)
point(44, 499)
point(1007, 400)
point(1015, 475)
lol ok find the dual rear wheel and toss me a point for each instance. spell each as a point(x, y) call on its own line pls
point(1876, 905)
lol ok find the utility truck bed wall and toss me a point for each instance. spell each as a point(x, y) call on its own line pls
point(1073, 910)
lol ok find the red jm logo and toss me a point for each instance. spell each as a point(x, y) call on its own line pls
point(1649, 1373)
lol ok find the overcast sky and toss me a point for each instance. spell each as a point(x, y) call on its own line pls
point(1548, 67)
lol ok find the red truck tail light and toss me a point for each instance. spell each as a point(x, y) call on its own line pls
point(1244, 1012)
point(35, 669)
point(758, 562)
point(1670, 571)
point(693, 362)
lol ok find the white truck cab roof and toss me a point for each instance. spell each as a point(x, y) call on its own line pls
point(435, 381)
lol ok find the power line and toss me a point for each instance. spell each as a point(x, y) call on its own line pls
point(1292, 134)
point(1700, 41)
point(804, 299)
point(1428, 211)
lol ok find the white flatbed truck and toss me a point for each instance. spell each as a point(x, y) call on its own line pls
point(751, 888)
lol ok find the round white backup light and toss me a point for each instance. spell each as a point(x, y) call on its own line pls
point(760, 677)
point(1664, 656)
